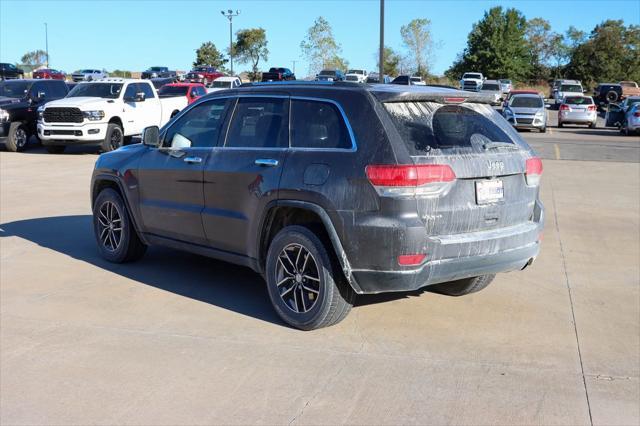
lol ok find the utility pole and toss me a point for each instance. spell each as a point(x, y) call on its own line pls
point(294, 66)
point(46, 42)
point(230, 14)
point(381, 58)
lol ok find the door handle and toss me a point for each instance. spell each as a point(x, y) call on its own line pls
point(192, 160)
point(266, 162)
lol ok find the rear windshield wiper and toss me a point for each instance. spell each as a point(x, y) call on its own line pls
point(496, 145)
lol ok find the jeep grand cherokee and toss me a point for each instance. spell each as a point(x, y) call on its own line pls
point(329, 190)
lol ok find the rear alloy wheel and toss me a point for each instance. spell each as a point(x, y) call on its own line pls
point(18, 137)
point(114, 138)
point(462, 287)
point(305, 284)
point(117, 239)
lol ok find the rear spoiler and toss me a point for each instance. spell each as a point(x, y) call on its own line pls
point(442, 96)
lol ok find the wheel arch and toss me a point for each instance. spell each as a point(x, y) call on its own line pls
point(102, 182)
point(281, 213)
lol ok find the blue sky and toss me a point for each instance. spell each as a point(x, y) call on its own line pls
point(136, 34)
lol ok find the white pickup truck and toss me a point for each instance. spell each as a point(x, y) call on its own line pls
point(472, 81)
point(104, 113)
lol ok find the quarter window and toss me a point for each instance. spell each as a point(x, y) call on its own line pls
point(317, 124)
point(259, 123)
point(199, 127)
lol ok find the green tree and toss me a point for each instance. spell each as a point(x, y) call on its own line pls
point(416, 36)
point(392, 61)
point(321, 49)
point(543, 45)
point(250, 47)
point(610, 53)
point(497, 47)
point(34, 59)
point(208, 54)
point(120, 73)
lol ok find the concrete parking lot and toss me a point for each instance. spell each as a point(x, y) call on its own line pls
point(180, 339)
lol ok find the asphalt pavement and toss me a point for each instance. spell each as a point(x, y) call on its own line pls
point(181, 339)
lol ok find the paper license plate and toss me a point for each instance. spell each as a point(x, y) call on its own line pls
point(489, 191)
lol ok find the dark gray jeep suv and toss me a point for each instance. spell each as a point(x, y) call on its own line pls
point(329, 190)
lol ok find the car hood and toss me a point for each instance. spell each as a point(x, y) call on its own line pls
point(84, 102)
point(4, 101)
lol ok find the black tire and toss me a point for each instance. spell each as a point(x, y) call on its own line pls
point(113, 139)
point(117, 246)
point(612, 96)
point(329, 294)
point(55, 149)
point(592, 125)
point(560, 124)
point(543, 129)
point(18, 137)
point(462, 287)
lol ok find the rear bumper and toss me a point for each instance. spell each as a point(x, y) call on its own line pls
point(458, 256)
point(578, 118)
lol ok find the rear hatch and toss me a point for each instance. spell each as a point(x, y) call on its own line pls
point(490, 188)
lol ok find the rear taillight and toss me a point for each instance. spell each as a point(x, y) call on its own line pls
point(410, 180)
point(591, 108)
point(411, 259)
point(636, 114)
point(533, 171)
point(564, 107)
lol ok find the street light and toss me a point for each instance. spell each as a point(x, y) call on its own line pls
point(229, 14)
point(381, 58)
point(46, 42)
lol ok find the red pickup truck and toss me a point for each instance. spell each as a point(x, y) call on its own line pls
point(203, 74)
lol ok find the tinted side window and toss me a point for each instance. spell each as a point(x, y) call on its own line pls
point(316, 124)
point(259, 123)
point(57, 90)
point(197, 128)
point(146, 89)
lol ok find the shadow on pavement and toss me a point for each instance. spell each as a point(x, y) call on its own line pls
point(222, 284)
point(587, 131)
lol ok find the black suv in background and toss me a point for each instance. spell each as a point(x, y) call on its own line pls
point(19, 103)
point(278, 74)
point(328, 190)
point(8, 71)
point(606, 93)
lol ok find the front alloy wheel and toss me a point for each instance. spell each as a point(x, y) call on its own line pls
point(109, 226)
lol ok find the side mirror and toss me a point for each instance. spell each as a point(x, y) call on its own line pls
point(151, 136)
point(139, 97)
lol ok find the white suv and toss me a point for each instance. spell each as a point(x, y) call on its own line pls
point(104, 113)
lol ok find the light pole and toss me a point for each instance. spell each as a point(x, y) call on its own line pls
point(381, 58)
point(229, 14)
point(46, 42)
point(294, 66)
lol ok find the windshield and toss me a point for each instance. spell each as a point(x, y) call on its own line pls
point(475, 76)
point(628, 84)
point(86, 72)
point(221, 84)
point(327, 72)
point(96, 90)
point(575, 88)
point(201, 69)
point(526, 102)
point(578, 100)
point(361, 72)
point(505, 81)
point(428, 125)
point(14, 89)
point(632, 101)
point(157, 68)
point(173, 90)
point(490, 86)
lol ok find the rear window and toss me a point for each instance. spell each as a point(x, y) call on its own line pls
point(526, 102)
point(578, 100)
point(424, 126)
point(173, 91)
point(490, 86)
point(571, 88)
